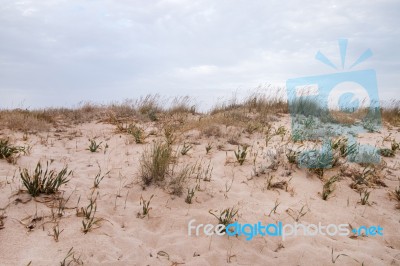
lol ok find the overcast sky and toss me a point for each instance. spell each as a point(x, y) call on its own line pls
point(59, 53)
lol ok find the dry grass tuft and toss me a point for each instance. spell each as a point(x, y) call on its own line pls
point(154, 164)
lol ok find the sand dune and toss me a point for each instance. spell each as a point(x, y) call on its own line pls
point(120, 237)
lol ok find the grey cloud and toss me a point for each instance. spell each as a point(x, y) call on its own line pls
point(62, 52)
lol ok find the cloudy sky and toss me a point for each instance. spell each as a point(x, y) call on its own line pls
point(62, 52)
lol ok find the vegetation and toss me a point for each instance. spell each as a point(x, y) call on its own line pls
point(155, 162)
point(241, 154)
point(46, 182)
point(328, 187)
point(8, 152)
point(93, 147)
point(226, 216)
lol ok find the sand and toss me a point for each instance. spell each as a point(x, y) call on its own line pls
point(161, 238)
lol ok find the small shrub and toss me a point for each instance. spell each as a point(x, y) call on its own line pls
point(47, 182)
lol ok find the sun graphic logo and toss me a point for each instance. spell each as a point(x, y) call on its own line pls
point(344, 103)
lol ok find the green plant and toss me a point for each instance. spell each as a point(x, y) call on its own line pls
point(186, 147)
point(225, 216)
point(8, 151)
point(386, 152)
point(241, 154)
point(364, 196)
point(328, 187)
point(145, 207)
point(155, 162)
point(93, 147)
point(47, 182)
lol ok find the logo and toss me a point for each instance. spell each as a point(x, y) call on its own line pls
point(249, 231)
point(345, 103)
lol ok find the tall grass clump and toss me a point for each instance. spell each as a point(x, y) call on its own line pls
point(44, 181)
point(267, 103)
point(155, 162)
point(182, 105)
point(308, 107)
point(149, 106)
